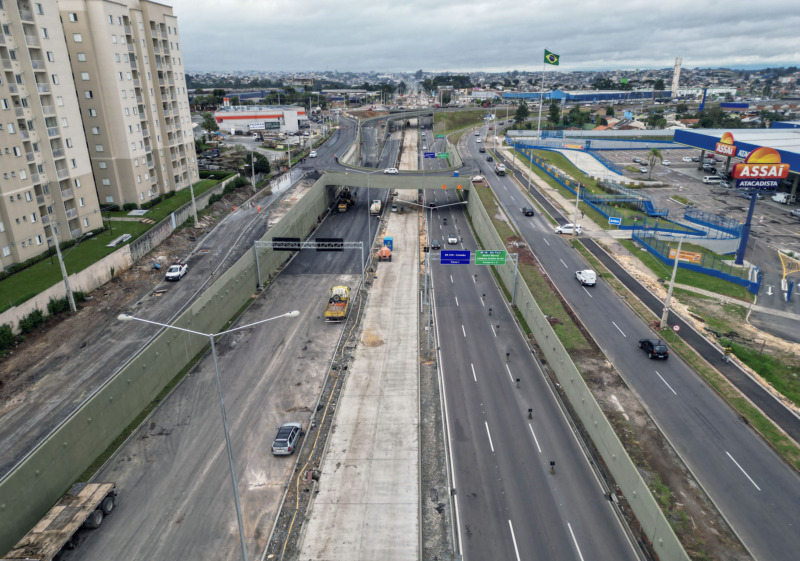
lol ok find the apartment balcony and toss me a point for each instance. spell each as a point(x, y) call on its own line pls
point(161, 81)
point(12, 87)
point(77, 232)
point(24, 134)
point(66, 194)
point(49, 109)
point(158, 66)
point(45, 219)
point(2, 39)
point(133, 62)
point(127, 29)
point(156, 49)
point(53, 131)
point(43, 88)
point(184, 167)
point(166, 111)
point(35, 178)
point(148, 149)
point(58, 153)
point(72, 213)
point(136, 82)
point(163, 34)
point(62, 173)
point(6, 61)
point(145, 133)
point(39, 198)
point(130, 47)
point(138, 99)
point(32, 40)
point(29, 156)
point(38, 65)
point(26, 15)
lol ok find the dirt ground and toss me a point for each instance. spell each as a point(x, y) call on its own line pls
point(19, 373)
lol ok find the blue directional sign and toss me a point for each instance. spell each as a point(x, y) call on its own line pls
point(454, 258)
point(430, 154)
point(615, 220)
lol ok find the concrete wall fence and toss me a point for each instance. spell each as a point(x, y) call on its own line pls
point(121, 260)
point(654, 523)
point(39, 480)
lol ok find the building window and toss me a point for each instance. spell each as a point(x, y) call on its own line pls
point(28, 196)
point(6, 251)
point(95, 130)
point(116, 56)
point(127, 112)
point(93, 112)
point(4, 103)
point(109, 199)
point(121, 76)
point(77, 38)
point(98, 148)
point(124, 94)
point(64, 122)
point(106, 181)
point(17, 151)
point(44, 33)
point(11, 129)
point(84, 76)
point(39, 9)
point(50, 56)
point(74, 163)
point(54, 78)
point(103, 165)
point(77, 183)
point(73, 17)
point(38, 240)
point(69, 142)
point(33, 217)
point(81, 202)
point(85, 221)
point(60, 101)
point(81, 57)
point(88, 94)
point(114, 38)
point(111, 20)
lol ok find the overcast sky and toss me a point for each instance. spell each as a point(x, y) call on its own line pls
point(406, 35)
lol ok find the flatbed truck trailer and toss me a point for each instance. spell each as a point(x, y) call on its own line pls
point(85, 505)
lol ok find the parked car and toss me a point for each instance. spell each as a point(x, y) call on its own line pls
point(527, 211)
point(436, 245)
point(452, 239)
point(795, 213)
point(394, 208)
point(176, 271)
point(391, 171)
point(312, 154)
point(285, 442)
point(687, 158)
point(638, 161)
point(643, 169)
point(666, 163)
point(655, 348)
point(748, 195)
point(695, 158)
point(586, 277)
point(568, 228)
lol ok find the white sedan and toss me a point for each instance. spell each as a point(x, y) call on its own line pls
point(391, 171)
point(687, 159)
point(666, 163)
point(312, 154)
point(176, 271)
point(452, 239)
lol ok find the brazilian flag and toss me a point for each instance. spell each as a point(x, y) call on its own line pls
point(551, 58)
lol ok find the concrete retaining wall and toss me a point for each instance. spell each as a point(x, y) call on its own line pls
point(30, 489)
point(654, 523)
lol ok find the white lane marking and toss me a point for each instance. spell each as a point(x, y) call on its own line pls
point(743, 471)
point(475, 279)
point(509, 374)
point(463, 330)
point(451, 279)
point(514, 539)
point(536, 440)
point(475, 378)
point(665, 382)
point(483, 302)
point(493, 331)
point(571, 533)
point(456, 301)
point(545, 241)
point(562, 262)
point(504, 187)
point(587, 292)
point(618, 329)
point(490, 435)
point(513, 199)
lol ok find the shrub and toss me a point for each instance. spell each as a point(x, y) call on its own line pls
point(32, 321)
point(129, 206)
point(214, 198)
point(6, 337)
point(57, 306)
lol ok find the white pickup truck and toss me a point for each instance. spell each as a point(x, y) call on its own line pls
point(176, 271)
point(375, 207)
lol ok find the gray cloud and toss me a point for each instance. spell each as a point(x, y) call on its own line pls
point(283, 35)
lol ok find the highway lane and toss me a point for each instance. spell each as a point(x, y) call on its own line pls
point(173, 477)
point(509, 504)
point(751, 485)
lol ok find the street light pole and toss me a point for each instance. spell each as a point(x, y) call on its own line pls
point(665, 313)
point(292, 314)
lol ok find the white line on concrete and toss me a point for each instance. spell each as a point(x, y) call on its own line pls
point(571, 533)
point(509, 374)
point(451, 279)
point(665, 382)
point(514, 539)
point(456, 301)
point(536, 440)
point(475, 279)
point(737, 465)
point(475, 378)
point(463, 330)
point(483, 302)
point(493, 331)
point(562, 262)
point(545, 241)
point(587, 292)
point(490, 435)
point(618, 329)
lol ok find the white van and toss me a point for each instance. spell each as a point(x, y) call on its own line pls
point(710, 179)
point(783, 198)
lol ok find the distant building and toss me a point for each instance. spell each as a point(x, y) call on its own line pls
point(249, 118)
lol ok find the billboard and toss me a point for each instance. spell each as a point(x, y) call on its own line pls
point(761, 170)
point(725, 146)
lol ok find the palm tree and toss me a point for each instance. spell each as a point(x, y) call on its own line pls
point(654, 153)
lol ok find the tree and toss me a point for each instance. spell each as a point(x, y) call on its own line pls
point(218, 94)
point(209, 123)
point(601, 122)
point(654, 121)
point(418, 74)
point(261, 162)
point(655, 154)
point(659, 85)
point(609, 111)
point(681, 108)
point(401, 88)
point(522, 112)
point(554, 113)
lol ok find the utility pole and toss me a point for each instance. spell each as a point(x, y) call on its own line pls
point(665, 313)
point(70, 298)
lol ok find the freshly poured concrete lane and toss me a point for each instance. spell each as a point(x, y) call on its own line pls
point(368, 502)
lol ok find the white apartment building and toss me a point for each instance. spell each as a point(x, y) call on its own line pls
point(128, 71)
point(46, 187)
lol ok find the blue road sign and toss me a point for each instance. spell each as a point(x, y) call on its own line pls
point(454, 257)
point(615, 220)
point(430, 154)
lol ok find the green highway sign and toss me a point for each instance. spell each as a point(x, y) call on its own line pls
point(490, 257)
point(443, 155)
point(439, 136)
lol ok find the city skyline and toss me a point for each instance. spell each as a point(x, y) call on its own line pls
point(482, 36)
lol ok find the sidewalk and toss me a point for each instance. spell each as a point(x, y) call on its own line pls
point(367, 507)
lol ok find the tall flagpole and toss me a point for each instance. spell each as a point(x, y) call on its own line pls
point(541, 102)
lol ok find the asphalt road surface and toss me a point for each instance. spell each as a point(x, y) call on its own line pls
point(509, 504)
point(751, 485)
